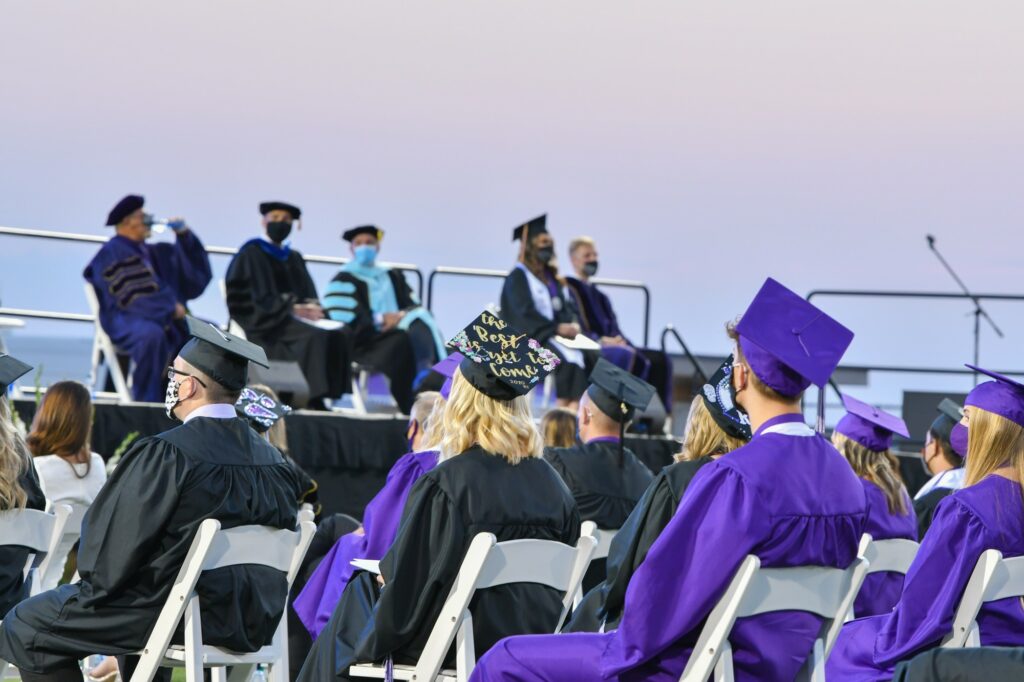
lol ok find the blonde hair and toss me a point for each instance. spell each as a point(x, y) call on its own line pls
point(13, 461)
point(881, 468)
point(428, 411)
point(704, 437)
point(577, 242)
point(558, 427)
point(501, 427)
point(993, 441)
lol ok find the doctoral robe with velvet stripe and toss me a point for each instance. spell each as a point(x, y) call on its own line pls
point(764, 498)
point(987, 515)
point(881, 590)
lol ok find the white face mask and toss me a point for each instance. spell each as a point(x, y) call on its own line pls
point(171, 399)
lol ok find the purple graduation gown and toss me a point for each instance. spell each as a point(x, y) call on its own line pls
point(764, 498)
point(317, 600)
point(988, 515)
point(881, 591)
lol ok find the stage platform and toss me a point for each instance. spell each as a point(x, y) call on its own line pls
point(348, 456)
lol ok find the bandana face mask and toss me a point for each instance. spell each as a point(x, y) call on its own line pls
point(171, 399)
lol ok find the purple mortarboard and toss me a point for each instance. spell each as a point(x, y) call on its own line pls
point(124, 208)
point(789, 343)
point(871, 427)
point(446, 368)
point(11, 369)
point(1004, 396)
point(259, 409)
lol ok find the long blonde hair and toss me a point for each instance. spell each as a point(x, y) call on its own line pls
point(703, 437)
point(501, 427)
point(13, 461)
point(881, 468)
point(993, 441)
point(428, 410)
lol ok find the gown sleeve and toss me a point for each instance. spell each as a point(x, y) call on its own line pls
point(125, 283)
point(185, 265)
point(609, 313)
point(29, 481)
point(346, 300)
point(419, 570)
point(253, 299)
point(517, 307)
point(934, 583)
point(403, 292)
point(719, 522)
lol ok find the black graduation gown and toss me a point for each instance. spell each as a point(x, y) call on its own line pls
point(629, 548)
point(925, 507)
point(261, 291)
point(135, 537)
point(12, 559)
point(979, 664)
point(448, 506)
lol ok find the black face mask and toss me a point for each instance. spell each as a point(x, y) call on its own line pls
point(590, 269)
point(278, 231)
point(545, 254)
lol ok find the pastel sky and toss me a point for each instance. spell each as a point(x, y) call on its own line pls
point(704, 145)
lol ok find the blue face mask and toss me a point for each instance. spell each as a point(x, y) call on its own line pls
point(365, 254)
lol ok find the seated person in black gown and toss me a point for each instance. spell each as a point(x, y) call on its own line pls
point(272, 297)
point(490, 478)
point(715, 427)
point(942, 459)
point(604, 477)
point(534, 299)
point(19, 486)
point(138, 531)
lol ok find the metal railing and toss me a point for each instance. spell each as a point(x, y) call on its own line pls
point(669, 330)
point(502, 274)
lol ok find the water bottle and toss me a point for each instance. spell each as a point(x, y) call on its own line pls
point(160, 225)
point(259, 675)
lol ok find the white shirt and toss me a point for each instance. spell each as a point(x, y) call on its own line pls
point(214, 411)
point(952, 479)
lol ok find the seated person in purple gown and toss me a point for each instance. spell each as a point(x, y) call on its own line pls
point(864, 436)
point(142, 290)
point(599, 322)
point(988, 513)
point(943, 462)
point(491, 478)
point(714, 427)
point(787, 497)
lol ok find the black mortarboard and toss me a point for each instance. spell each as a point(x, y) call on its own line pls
point(124, 208)
point(268, 206)
point(499, 361)
point(951, 409)
point(221, 356)
point(618, 393)
point(11, 369)
point(259, 409)
point(538, 225)
point(349, 235)
point(720, 401)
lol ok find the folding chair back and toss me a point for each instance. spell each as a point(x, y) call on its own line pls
point(894, 555)
point(38, 531)
point(826, 592)
point(67, 526)
point(104, 354)
point(214, 548)
point(489, 563)
point(993, 578)
point(603, 540)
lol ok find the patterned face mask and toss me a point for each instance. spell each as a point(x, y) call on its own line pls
point(171, 399)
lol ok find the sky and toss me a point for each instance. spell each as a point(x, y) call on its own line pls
point(704, 145)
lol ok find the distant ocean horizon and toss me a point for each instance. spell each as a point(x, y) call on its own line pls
point(55, 358)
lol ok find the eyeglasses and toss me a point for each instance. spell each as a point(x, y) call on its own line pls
point(171, 372)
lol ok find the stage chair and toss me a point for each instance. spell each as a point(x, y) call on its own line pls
point(603, 542)
point(52, 566)
point(214, 548)
point(489, 563)
point(104, 355)
point(993, 578)
point(894, 555)
point(827, 592)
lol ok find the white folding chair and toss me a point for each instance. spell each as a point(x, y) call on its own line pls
point(214, 548)
point(489, 563)
point(826, 592)
point(51, 568)
point(603, 539)
point(993, 578)
point(104, 354)
point(894, 556)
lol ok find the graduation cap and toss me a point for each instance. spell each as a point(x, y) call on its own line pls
point(349, 235)
point(268, 206)
point(259, 409)
point(221, 356)
point(789, 343)
point(618, 393)
point(11, 369)
point(538, 225)
point(871, 427)
point(446, 368)
point(950, 409)
point(718, 398)
point(1004, 396)
point(950, 415)
point(124, 208)
point(499, 361)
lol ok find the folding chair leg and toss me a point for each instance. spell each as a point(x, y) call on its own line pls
point(465, 650)
point(723, 668)
point(3, 669)
point(193, 642)
point(218, 675)
point(241, 673)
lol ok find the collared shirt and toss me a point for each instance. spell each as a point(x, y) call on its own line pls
point(213, 411)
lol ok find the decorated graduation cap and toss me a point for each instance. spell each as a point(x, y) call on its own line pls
point(221, 356)
point(499, 361)
point(871, 427)
point(11, 369)
point(718, 397)
point(538, 225)
point(349, 235)
point(1004, 396)
point(618, 393)
point(124, 208)
point(789, 343)
point(259, 409)
point(268, 206)
point(446, 368)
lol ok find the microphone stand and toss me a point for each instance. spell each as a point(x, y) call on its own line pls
point(979, 311)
